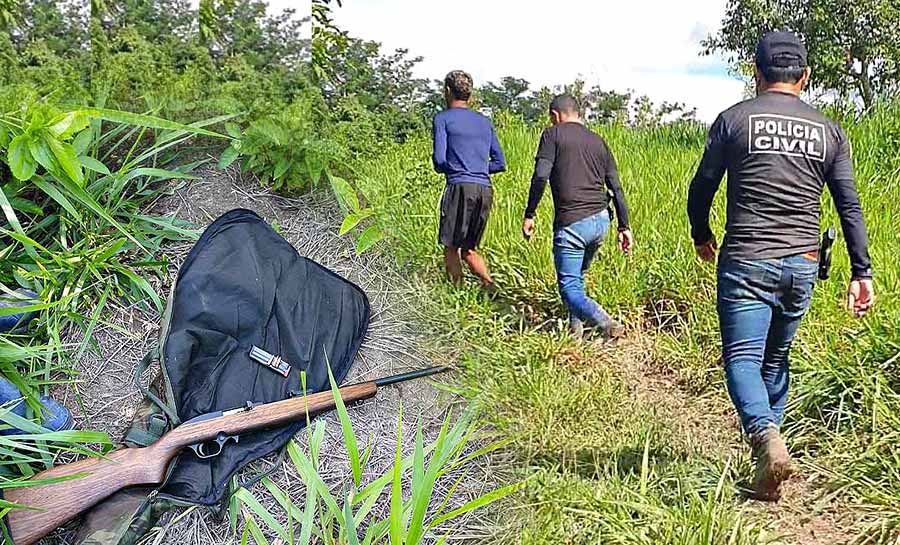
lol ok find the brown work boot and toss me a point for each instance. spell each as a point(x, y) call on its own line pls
point(773, 464)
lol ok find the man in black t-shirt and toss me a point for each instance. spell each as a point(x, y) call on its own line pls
point(582, 174)
point(779, 153)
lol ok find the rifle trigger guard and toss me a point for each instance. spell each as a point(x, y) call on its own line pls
point(202, 450)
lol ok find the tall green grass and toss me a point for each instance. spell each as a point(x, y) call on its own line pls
point(433, 473)
point(845, 402)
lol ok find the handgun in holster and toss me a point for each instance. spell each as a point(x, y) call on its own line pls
point(828, 239)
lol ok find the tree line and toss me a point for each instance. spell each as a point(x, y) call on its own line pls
point(854, 49)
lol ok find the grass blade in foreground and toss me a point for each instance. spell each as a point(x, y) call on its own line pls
point(398, 518)
point(346, 428)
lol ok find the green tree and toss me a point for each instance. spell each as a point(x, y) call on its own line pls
point(606, 107)
point(208, 18)
point(539, 104)
point(149, 55)
point(514, 95)
point(60, 24)
point(8, 11)
point(243, 28)
point(51, 58)
point(854, 46)
point(382, 83)
point(509, 95)
point(434, 101)
point(153, 19)
point(646, 113)
point(327, 39)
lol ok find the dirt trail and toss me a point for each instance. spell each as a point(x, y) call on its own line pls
point(104, 398)
point(806, 515)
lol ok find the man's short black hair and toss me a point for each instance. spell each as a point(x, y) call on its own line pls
point(781, 74)
point(460, 85)
point(564, 104)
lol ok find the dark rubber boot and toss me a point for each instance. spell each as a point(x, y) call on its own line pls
point(773, 464)
point(614, 330)
point(54, 416)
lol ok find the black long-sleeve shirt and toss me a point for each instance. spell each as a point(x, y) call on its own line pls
point(580, 168)
point(779, 153)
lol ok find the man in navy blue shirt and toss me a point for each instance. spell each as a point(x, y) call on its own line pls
point(467, 152)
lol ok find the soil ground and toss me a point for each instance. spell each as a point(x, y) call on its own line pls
point(806, 514)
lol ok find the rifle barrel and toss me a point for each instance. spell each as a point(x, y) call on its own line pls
point(403, 377)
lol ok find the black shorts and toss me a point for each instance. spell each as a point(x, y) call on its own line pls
point(465, 208)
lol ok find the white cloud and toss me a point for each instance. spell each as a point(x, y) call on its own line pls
point(650, 46)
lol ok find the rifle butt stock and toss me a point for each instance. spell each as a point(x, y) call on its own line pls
point(56, 503)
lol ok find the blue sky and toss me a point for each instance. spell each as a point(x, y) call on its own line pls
point(648, 46)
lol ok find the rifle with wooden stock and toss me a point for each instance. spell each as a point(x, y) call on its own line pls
point(48, 506)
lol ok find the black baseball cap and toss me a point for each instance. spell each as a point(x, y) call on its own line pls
point(781, 49)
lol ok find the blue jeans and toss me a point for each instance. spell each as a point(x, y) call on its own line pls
point(574, 247)
point(760, 305)
point(17, 321)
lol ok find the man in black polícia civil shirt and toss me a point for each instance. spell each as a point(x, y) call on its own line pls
point(779, 153)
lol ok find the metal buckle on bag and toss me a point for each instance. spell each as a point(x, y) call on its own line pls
point(271, 361)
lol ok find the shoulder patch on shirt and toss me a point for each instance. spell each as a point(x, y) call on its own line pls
point(784, 135)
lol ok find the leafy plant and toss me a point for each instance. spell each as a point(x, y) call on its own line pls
point(326, 37)
point(62, 144)
point(285, 151)
point(77, 234)
point(281, 149)
point(355, 214)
